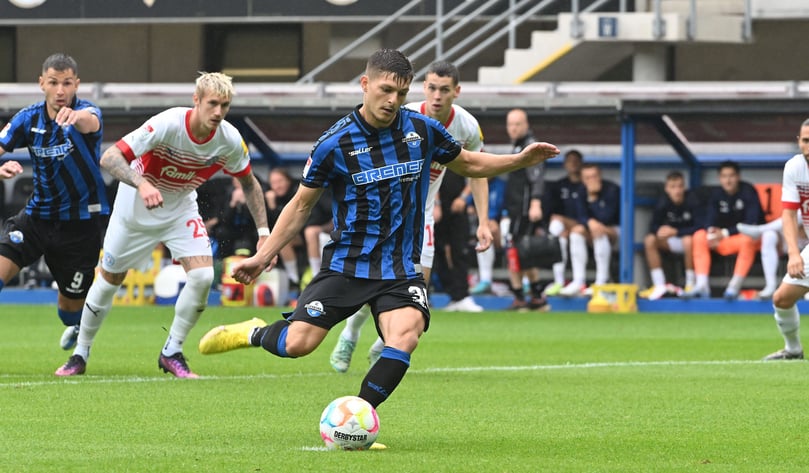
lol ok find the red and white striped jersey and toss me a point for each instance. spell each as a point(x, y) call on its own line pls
point(166, 153)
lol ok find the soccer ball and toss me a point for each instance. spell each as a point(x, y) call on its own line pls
point(349, 423)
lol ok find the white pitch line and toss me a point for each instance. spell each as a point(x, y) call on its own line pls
point(469, 369)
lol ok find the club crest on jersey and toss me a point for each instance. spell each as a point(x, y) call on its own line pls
point(144, 131)
point(412, 139)
point(314, 309)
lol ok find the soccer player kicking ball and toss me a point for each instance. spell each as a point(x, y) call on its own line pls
point(160, 165)
point(441, 88)
point(377, 161)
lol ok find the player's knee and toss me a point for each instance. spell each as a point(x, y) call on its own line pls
point(113, 278)
point(650, 241)
point(783, 299)
point(311, 233)
point(200, 278)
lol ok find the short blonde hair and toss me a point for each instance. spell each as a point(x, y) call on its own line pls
point(214, 82)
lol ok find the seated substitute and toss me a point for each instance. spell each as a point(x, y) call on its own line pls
point(732, 203)
point(673, 223)
point(600, 227)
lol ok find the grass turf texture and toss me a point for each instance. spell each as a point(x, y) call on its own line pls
point(491, 392)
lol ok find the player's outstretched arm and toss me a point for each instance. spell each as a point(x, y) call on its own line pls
point(289, 224)
point(482, 164)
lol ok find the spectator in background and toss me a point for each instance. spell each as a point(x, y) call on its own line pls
point(567, 208)
point(732, 203)
point(771, 234)
point(486, 258)
point(452, 243)
point(282, 188)
point(523, 203)
point(236, 229)
point(600, 228)
point(673, 223)
point(65, 217)
point(773, 244)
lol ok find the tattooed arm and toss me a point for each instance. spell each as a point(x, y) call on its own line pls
point(115, 163)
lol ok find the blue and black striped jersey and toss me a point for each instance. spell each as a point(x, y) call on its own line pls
point(67, 179)
point(379, 180)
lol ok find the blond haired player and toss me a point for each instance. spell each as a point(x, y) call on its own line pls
point(160, 165)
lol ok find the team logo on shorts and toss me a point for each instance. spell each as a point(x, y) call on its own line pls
point(314, 309)
point(109, 260)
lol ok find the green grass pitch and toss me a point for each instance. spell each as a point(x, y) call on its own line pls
point(490, 392)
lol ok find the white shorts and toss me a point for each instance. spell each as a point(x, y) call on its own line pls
point(129, 246)
point(675, 244)
point(804, 281)
point(428, 245)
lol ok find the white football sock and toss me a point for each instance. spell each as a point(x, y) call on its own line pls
point(354, 323)
point(578, 257)
point(314, 263)
point(690, 278)
point(191, 302)
point(789, 323)
point(735, 283)
point(559, 268)
point(658, 277)
point(602, 252)
point(486, 265)
point(291, 268)
point(378, 345)
point(96, 307)
point(702, 281)
point(769, 259)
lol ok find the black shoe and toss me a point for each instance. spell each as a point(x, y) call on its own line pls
point(539, 303)
point(519, 305)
